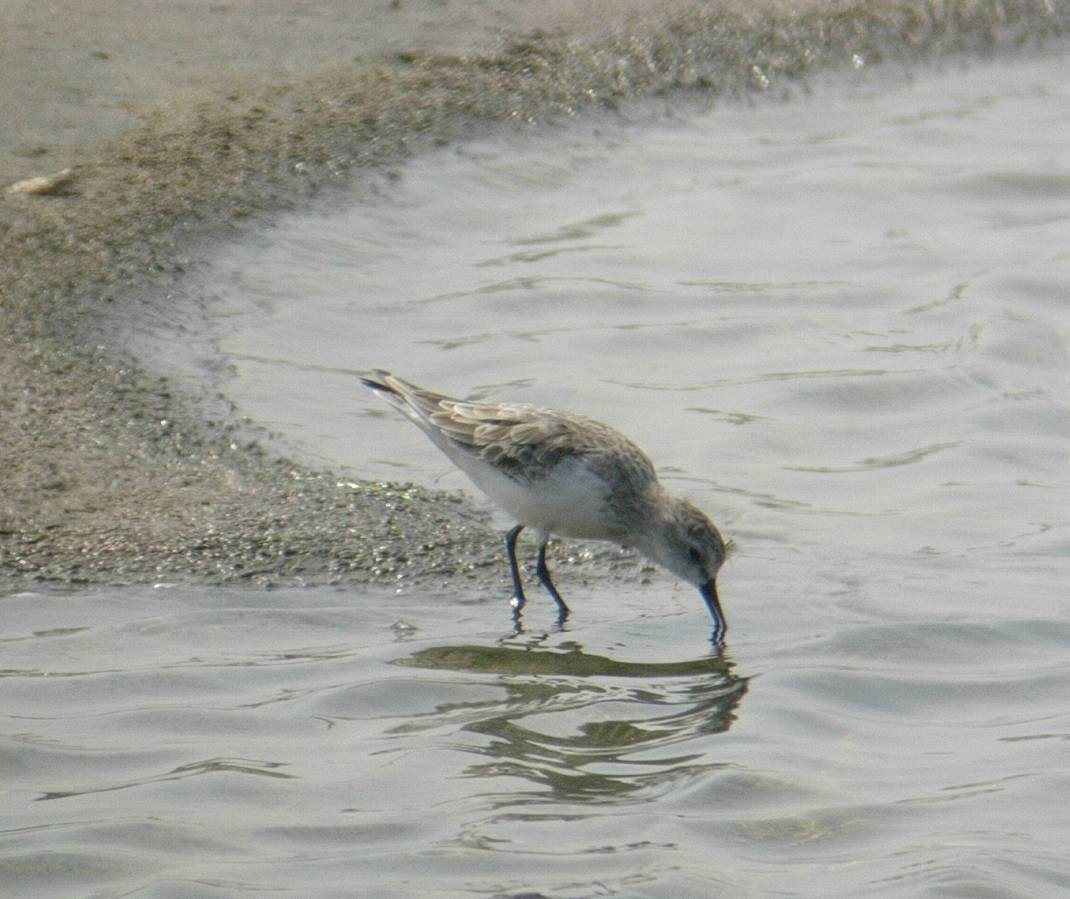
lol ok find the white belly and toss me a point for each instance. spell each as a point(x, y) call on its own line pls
point(570, 502)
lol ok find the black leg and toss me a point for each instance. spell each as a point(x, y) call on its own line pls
point(518, 588)
point(544, 578)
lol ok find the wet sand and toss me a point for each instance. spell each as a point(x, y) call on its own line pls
point(190, 125)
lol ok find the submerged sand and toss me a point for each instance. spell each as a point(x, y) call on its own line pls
point(193, 123)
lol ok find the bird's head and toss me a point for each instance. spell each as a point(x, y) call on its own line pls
point(689, 545)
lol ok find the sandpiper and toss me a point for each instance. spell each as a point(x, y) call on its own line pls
point(559, 473)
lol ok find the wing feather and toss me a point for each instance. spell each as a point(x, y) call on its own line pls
point(523, 441)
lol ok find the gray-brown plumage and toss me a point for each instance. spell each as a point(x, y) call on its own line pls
point(565, 474)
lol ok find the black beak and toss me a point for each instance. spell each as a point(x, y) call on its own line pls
point(713, 603)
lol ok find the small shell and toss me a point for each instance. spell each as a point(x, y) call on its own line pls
point(47, 184)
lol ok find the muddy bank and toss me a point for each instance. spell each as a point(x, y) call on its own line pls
point(110, 474)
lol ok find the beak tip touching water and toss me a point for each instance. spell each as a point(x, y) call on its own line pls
point(713, 603)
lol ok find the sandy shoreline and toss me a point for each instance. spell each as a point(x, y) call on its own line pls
point(187, 127)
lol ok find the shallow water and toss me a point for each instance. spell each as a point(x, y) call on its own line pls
point(838, 323)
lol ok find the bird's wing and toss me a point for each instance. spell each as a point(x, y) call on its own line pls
point(521, 440)
point(528, 441)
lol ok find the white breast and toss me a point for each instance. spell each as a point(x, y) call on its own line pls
point(570, 501)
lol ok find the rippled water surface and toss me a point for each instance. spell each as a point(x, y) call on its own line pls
point(840, 324)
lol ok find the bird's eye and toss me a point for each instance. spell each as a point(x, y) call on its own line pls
point(695, 556)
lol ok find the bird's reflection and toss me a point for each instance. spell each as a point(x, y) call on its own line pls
point(590, 728)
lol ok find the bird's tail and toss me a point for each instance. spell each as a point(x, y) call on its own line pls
point(383, 386)
point(414, 402)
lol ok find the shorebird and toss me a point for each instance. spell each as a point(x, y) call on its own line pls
point(560, 473)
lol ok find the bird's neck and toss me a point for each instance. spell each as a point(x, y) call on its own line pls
point(650, 507)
